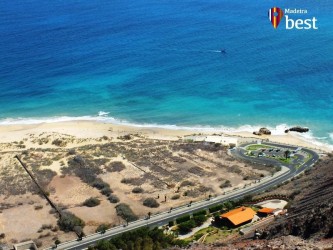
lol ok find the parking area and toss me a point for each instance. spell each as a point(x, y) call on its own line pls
point(286, 155)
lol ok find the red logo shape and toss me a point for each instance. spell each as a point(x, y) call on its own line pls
point(275, 15)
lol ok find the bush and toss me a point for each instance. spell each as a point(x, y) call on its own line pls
point(202, 212)
point(59, 143)
point(215, 208)
point(125, 212)
point(2, 236)
point(38, 207)
point(294, 193)
point(225, 184)
point(71, 151)
point(187, 183)
point(102, 228)
point(106, 191)
point(175, 197)
point(113, 198)
point(91, 202)
point(116, 166)
point(186, 227)
point(199, 219)
point(68, 222)
point(151, 202)
point(183, 219)
point(100, 184)
point(137, 190)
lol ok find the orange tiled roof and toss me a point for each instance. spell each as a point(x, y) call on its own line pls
point(266, 210)
point(239, 215)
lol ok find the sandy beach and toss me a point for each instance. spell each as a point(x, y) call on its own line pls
point(87, 130)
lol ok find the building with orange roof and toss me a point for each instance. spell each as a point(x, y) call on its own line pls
point(265, 211)
point(237, 217)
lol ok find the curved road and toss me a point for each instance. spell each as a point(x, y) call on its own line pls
point(163, 218)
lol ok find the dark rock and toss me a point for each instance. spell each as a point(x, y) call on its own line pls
point(262, 131)
point(299, 129)
point(265, 131)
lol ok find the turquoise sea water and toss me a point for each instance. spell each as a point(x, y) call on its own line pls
point(158, 62)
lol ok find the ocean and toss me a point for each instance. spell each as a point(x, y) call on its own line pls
point(159, 63)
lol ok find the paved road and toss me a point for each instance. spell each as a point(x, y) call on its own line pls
point(163, 218)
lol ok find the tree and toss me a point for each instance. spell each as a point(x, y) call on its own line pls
point(147, 244)
point(287, 153)
point(130, 245)
point(138, 243)
point(105, 245)
point(186, 227)
point(199, 219)
point(57, 242)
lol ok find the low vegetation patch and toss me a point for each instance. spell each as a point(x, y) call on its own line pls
point(151, 202)
point(187, 183)
point(91, 202)
point(116, 166)
point(113, 198)
point(226, 184)
point(183, 219)
point(143, 239)
point(59, 143)
point(137, 190)
point(175, 197)
point(102, 228)
point(186, 227)
point(70, 222)
point(125, 212)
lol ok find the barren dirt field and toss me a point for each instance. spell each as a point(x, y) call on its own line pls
point(124, 170)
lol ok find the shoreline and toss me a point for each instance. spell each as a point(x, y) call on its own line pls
point(96, 129)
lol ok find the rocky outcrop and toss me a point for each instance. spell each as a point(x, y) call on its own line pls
point(262, 131)
point(311, 212)
point(297, 129)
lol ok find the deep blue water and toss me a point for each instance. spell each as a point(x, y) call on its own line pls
point(156, 62)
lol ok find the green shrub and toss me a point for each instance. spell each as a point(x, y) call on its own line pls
point(151, 202)
point(106, 191)
point(113, 198)
point(199, 219)
point(100, 184)
point(124, 211)
point(69, 222)
point(202, 212)
point(102, 228)
point(137, 190)
point(186, 227)
point(91, 202)
point(183, 219)
point(215, 208)
point(116, 166)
